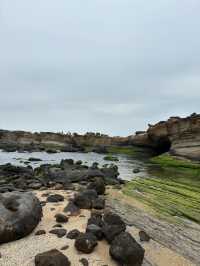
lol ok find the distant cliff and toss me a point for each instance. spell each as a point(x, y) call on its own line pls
point(179, 136)
point(15, 140)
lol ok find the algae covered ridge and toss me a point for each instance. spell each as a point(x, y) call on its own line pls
point(172, 189)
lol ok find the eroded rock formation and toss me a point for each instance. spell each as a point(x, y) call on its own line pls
point(179, 136)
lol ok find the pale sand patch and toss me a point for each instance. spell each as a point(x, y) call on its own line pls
point(22, 252)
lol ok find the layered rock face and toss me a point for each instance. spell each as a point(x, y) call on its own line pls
point(179, 136)
point(16, 140)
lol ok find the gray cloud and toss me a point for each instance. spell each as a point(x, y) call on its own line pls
point(110, 66)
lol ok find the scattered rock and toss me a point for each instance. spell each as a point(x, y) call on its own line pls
point(95, 230)
point(84, 199)
point(64, 247)
point(52, 258)
point(98, 203)
point(55, 198)
point(71, 209)
point(40, 232)
point(84, 262)
point(61, 218)
point(57, 225)
point(98, 185)
point(86, 242)
point(73, 234)
point(144, 236)
point(96, 218)
point(59, 232)
point(126, 251)
point(113, 225)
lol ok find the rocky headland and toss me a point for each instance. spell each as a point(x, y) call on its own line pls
point(178, 136)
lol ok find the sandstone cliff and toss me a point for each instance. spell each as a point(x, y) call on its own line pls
point(179, 136)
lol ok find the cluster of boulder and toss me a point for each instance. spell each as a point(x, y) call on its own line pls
point(63, 176)
point(21, 211)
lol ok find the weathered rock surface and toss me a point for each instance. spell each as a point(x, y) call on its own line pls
point(126, 251)
point(113, 225)
point(19, 215)
point(179, 136)
point(86, 242)
point(21, 140)
point(52, 258)
point(59, 232)
point(182, 238)
point(73, 234)
point(84, 200)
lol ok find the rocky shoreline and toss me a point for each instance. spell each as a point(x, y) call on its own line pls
point(24, 210)
point(68, 193)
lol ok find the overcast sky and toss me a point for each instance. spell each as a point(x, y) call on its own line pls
point(97, 65)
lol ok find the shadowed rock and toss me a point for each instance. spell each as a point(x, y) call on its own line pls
point(113, 225)
point(52, 258)
point(55, 198)
point(86, 242)
point(126, 251)
point(19, 215)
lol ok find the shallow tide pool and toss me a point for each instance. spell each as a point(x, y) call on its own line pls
point(126, 163)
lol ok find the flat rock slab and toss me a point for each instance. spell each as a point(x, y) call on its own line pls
point(20, 213)
point(183, 238)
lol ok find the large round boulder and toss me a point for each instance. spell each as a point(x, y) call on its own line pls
point(20, 213)
point(126, 251)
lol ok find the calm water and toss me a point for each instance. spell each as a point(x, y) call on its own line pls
point(126, 164)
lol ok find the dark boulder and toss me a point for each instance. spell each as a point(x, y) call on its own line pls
point(98, 203)
point(71, 209)
point(20, 213)
point(84, 199)
point(113, 225)
point(98, 185)
point(86, 242)
point(61, 218)
point(95, 230)
point(96, 218)
point(60, 232)
point(144, 236)
point(126, 251)
point(40, 232)
point(52, 258)
point(73, 234)
point(84, 262)
point(55, 198)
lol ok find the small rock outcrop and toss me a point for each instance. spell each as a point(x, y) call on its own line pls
point(20, 213)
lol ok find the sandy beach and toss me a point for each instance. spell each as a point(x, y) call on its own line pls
point(23, 252)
